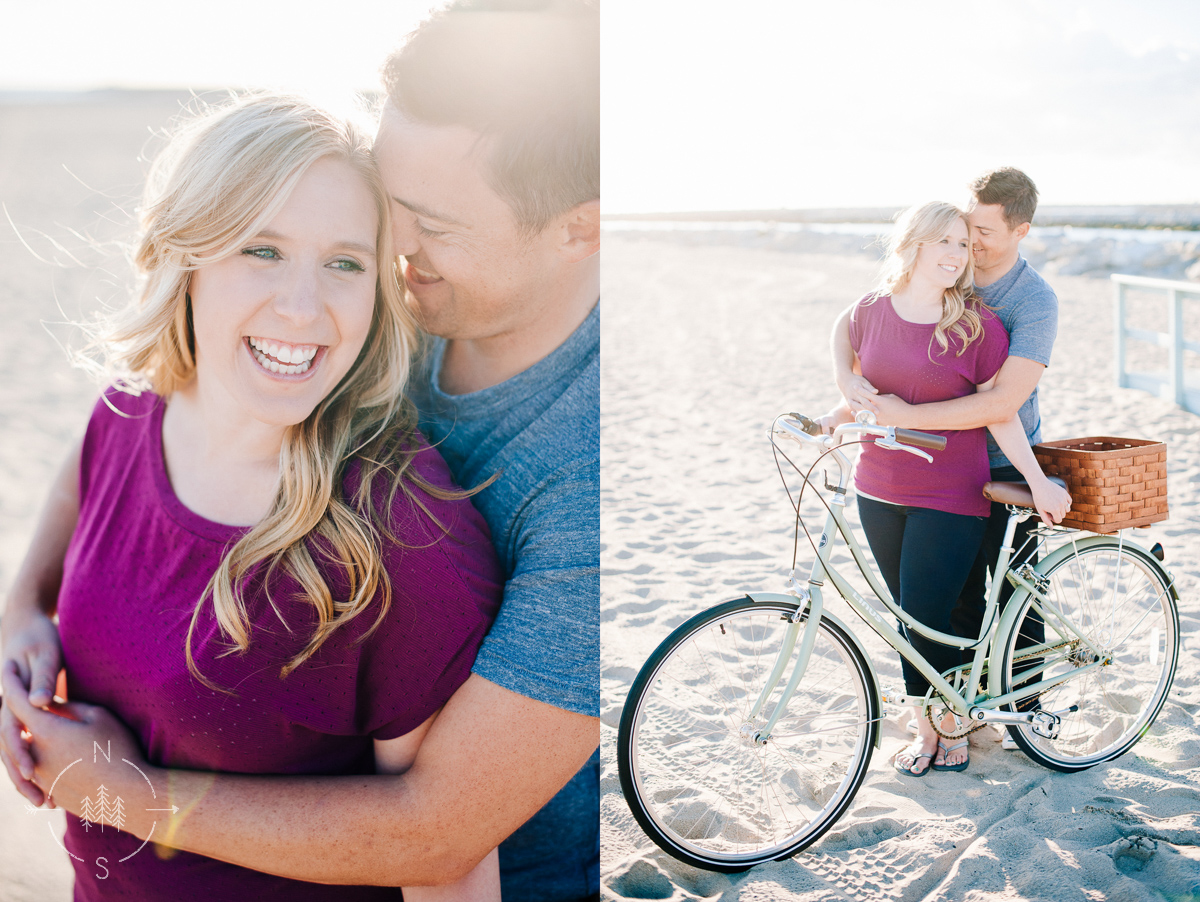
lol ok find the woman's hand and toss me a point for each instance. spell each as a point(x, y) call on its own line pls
point(859, 393)
point(35, 656)
point(64, 733)
point(1052, 501)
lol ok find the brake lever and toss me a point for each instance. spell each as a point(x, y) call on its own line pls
point(889, 442)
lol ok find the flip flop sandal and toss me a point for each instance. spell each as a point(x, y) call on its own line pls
point(946, 750)
point(901, 769)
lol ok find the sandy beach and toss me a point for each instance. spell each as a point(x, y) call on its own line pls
point(70, 175)
point(705, 341)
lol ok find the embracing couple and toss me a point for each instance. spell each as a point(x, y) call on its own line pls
point(954, 341)
point(331, 586)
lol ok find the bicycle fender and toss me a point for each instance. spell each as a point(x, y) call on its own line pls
point(825, 615)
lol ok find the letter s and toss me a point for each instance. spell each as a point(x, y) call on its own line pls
point(103, 876)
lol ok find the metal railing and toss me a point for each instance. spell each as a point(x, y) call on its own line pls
point(1177, 384)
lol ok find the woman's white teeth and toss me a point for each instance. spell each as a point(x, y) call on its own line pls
point(276, 367)
point(282, 358)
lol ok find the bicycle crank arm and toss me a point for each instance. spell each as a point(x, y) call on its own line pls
point(1044, 723)
point(895, 697)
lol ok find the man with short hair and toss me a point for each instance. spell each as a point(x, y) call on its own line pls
point(489, 147)
point(1003, 203)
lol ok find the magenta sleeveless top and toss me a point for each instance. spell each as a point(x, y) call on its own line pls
point(903, 359)
point(138, 563)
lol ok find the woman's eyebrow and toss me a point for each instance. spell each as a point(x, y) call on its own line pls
point(357, 246)
point(365, 250)
point(422, 210)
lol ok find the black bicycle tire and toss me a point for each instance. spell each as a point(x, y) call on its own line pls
point(852, 654)
point(1063, 763)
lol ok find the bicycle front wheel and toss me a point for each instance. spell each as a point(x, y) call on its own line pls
point(1122, 601)
point(696, 779)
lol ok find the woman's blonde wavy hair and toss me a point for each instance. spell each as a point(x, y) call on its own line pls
point(923, 225)
point(223, 177)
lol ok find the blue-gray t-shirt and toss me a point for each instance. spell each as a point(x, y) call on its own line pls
point(1028, 308)
point(539, 433)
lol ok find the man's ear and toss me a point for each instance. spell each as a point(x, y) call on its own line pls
point(1022, 230)
point(581, 231)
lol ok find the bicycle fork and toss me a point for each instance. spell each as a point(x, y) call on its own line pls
point(809, 601)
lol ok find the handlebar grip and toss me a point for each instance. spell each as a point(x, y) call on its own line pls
point(812, 427)
point(921, 439)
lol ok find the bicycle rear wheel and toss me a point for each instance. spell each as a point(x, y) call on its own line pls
point(694, 777)
point(1121, 600)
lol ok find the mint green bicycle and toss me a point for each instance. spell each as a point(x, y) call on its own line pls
point(749, 730)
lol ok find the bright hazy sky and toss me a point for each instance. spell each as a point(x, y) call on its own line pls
point(710, 104)
point(330, 47)
point(788, 103)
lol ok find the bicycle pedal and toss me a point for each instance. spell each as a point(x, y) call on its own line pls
point(1046, 725)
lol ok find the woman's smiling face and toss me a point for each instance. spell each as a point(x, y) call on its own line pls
point(943, 261)
point(281, 321)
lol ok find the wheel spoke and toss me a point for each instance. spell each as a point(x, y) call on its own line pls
point(1100, 590)
point(696, 778)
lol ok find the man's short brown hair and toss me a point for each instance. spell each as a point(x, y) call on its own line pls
point(1011, 188)
point(524, 75)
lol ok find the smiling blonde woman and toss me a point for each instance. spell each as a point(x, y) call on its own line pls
point(271, 572)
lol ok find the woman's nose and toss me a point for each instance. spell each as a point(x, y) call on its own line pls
point(298, 297)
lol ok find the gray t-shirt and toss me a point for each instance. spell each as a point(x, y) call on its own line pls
point(540, 432)
point(1028, 308)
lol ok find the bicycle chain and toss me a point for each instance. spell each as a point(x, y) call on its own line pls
point(979, 726)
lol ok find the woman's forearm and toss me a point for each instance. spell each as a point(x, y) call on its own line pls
point(1010, 436)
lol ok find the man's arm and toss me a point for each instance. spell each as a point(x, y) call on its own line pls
point(482, 884)
point(491, 759)
point(1014, 383)
point(857, 390)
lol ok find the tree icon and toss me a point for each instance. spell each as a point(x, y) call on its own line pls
point(101, 811)
point(116, 813)
point(89, 815)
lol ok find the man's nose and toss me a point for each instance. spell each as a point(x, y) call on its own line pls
point(405, 238)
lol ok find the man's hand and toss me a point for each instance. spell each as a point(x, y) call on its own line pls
point(35, 657)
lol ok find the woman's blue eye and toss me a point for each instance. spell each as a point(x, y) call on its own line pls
point(263, 253)
point(346, 265)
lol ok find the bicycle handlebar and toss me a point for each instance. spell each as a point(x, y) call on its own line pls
point(907, 436)
point(921, 439)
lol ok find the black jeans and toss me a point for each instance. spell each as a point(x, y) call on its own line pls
point(924, 556)
point(967, 617)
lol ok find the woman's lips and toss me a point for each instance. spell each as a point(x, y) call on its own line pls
point(420, 276)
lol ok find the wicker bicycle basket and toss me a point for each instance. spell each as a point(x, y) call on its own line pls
point(1115, 483)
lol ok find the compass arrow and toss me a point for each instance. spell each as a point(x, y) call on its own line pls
point(32, 810)
point(173, 809)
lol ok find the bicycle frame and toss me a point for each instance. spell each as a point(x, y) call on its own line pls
point(980, 706)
